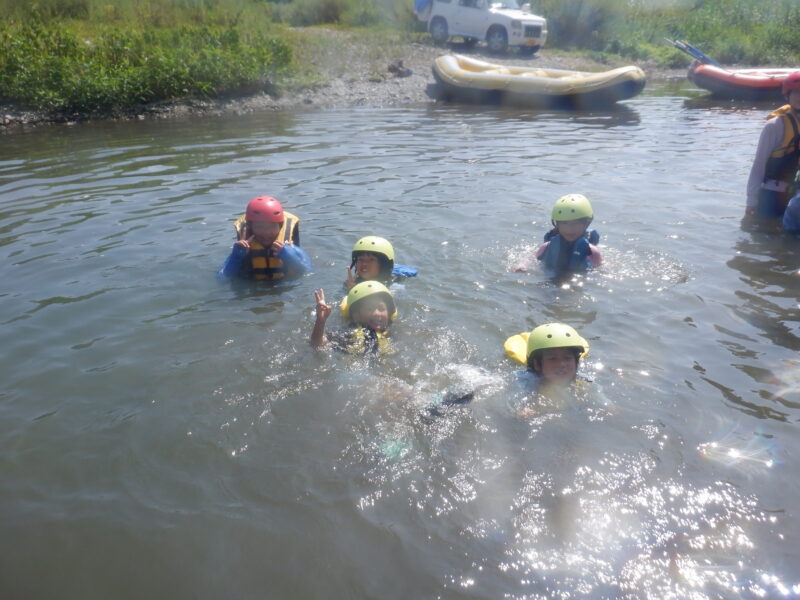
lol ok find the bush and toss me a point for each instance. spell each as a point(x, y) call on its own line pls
point(731, 31)
point(352, 13)
point(43, 66)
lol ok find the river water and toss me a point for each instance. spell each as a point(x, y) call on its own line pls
point(168, 436)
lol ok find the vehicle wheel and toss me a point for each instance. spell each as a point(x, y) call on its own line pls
point(528, 50)
point(497, 39)
point(438, 30)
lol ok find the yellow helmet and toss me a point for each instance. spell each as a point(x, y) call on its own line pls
point(555, 335)
point(382, 249)
point(374, 245)
point(572, 206)
point(365, 289)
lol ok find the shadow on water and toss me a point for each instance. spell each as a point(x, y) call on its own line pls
point(768, 264)
point(727, 105)
point(605, 117)
point(695, 98)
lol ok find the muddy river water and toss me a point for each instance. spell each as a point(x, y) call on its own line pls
point(165, 435)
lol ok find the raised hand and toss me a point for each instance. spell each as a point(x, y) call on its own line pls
point(351, 278)
point(323, 309)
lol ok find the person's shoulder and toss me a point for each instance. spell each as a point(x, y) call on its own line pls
point(774, 124)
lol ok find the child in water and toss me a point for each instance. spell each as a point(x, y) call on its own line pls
point(373, 260)
point(552, 353)
point(267, 245)
point(370, 314)
point(570, 246)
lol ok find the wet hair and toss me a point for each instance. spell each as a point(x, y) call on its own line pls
point(537, 355)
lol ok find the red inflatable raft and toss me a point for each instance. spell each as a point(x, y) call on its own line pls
point(742, 84)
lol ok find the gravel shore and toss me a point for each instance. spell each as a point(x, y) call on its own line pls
point(340, 69)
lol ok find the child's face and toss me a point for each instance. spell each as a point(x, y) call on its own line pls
point(572, 230)
point(558, 366)
point(265, 232)
point(367, 266)
point(372, 313)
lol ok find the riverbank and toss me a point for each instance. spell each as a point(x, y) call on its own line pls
point(337, 69)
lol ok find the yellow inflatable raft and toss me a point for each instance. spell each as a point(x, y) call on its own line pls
point(466, 79)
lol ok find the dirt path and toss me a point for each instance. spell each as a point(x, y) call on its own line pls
point(340, 69)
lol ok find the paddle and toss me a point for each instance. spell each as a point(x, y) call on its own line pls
point(694, 52)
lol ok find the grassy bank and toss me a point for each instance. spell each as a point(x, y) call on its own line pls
point(73, 55)
point(101, 56)
point(750, 32)
point(733, 31)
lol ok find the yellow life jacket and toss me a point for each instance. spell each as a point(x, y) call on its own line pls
point(517, 347)
point(782, 164)
point(363, 341)
point(264, 264)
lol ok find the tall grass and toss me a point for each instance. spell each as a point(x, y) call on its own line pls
point(397, 14)
point(732, 31)
point(52, 60)
point(105, 55)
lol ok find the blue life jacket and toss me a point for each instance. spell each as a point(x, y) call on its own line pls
point(561, 256)
point(404, 271)
point(791, 217)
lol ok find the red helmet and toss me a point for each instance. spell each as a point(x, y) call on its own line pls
point(264, 208)
point(792, 82)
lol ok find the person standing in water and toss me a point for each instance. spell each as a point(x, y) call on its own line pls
point(772, 176)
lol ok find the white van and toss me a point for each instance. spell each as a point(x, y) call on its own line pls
point(501, 23)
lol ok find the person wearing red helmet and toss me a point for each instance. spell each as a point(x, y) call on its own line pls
point(267, 245)
point(772, 176)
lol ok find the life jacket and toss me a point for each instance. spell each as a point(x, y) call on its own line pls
point(264, 263)
point(782, 164)
point(563, 256)
point(363, 340)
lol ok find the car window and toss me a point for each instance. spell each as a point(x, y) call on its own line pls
point(504, 4)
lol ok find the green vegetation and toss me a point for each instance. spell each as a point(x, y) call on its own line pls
point(110, 55)
point(752, 32)
point(71, 55)
point(396, 14)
